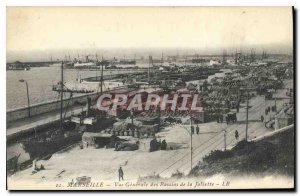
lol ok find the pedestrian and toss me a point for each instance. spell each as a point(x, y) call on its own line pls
point(117, 145)
point(197, 130)
point(153, 145)
point(42, 167)
point(159, 144)
point(34, 167)
point(262, 118)
point(236, 135)
point(164, 145)
point(121, 174)
point(192, 130)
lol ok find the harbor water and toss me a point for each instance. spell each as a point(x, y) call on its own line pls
point(40, 81)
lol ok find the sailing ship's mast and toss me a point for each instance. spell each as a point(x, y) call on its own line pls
point(149, 70)
point(101, 75)
point(224, 57)
point(61, 95)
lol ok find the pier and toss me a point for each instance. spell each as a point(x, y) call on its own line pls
point(47, 114)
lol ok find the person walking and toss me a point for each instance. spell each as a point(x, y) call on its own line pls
point(192, 130)
point(197, 130)
point(164, 145)
point(262, 118)
point(236, 135)
point(121, 174)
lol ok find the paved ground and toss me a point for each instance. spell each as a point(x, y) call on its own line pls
point(30, 123)
point(103, 164)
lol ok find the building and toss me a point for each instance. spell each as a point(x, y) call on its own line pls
point(98, 140)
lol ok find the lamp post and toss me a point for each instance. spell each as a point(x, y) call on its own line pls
point(225, 132)
point(247, 114)
point(192, 130)
point(22, 80)
point(191, 140)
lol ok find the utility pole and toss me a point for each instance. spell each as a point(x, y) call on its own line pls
point(34, 132)
point(191, 146)
point(265, 120)
point(158, 118)
point(225, 133)
point(247, 115)
point(28, 100)
point(150, 57)
point(275, 106)
point(61, 95)
point(131, 112)
point(101, 75)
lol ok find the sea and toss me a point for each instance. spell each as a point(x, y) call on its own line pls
point(40, 81)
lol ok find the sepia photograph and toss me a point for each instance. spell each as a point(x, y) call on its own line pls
point(150, 98)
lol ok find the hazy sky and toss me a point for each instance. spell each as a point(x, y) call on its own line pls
point(50, 28)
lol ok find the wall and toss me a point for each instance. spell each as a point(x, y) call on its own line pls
point(51, 106)
point(37, 109)
point(42, 108)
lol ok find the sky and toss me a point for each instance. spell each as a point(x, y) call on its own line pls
point(204, 28)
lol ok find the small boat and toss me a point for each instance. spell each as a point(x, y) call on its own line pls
point(12, 164)
point(45, 145)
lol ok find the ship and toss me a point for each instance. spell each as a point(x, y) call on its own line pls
point(54, 138)
point(12, 164)
point(68, 132)
point(66, 65)
point(51, 141)
point(87, 64)
point(84, 65)
point(124, 63)
point(55, 65)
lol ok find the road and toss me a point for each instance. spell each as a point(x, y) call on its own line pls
point(102, 164)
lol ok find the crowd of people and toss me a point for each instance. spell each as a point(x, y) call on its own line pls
point(157, 145)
